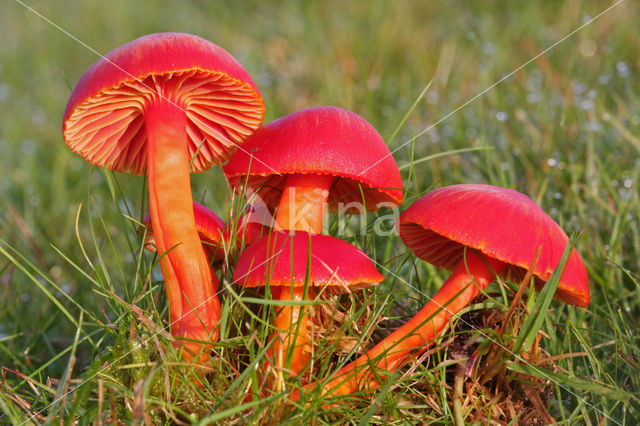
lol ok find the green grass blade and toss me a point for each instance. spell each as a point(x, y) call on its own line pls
point(536, 318)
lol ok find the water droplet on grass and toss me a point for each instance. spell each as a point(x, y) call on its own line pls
point(5, 91)
point(578, 88)
point(28, 147)
point(588, 47)
point(625, 194)
point(623, 69)
point(586, 104)
point(489, 48)
point(38, 117)
point(432, 96)
point(593, 125)
point(533, 98)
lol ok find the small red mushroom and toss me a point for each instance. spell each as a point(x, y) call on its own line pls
point(501, 231)
point(166, 105)
point(253, 223)
point(283, 260)
point(210, 231)
point(313, 157)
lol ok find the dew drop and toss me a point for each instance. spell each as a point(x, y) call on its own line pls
point(5, 91)
point(588, 47)
point(489, 48)
point(586, 104)
point(433, 96)
point(623, 69)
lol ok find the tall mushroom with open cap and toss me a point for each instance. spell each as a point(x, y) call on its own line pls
point(290, 261)
point(167, 104)
point(478, 232)
point(314, 157)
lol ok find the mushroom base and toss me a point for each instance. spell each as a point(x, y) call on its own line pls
point(467, 280)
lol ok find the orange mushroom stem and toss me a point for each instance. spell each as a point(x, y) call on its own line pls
point(468, 279)
point(303, 202)
point(195, 309)
point(302, 208)
point(291, 323)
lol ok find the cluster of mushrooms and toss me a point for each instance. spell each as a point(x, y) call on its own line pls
point(170, 104)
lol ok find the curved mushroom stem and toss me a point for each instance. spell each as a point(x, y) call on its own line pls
point(416, 335)
point(303, 202)
point(195, 309)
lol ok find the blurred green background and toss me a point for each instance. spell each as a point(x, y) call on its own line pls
point(565, 129)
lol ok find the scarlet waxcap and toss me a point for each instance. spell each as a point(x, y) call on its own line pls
point(281, 260)
point(208, 224)
point(250, 226)
point(104, 118)
point(323, 140)
point(501, 223)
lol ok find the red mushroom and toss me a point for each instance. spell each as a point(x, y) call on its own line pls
point(500, 230)
point(283, 260)
point(253, 223)
point(314, 156)
point(210, 231)
point(167, 104)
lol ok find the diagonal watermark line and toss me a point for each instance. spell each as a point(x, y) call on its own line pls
point(454, 111)
point(488, 337)
point(138, 80)
point(152, 336)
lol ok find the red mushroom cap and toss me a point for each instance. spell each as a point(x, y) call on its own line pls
point(321, 140)
point(208, 224)
point(501, 223)
point(281, 259)
point(249, 226)
point(104, 121)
